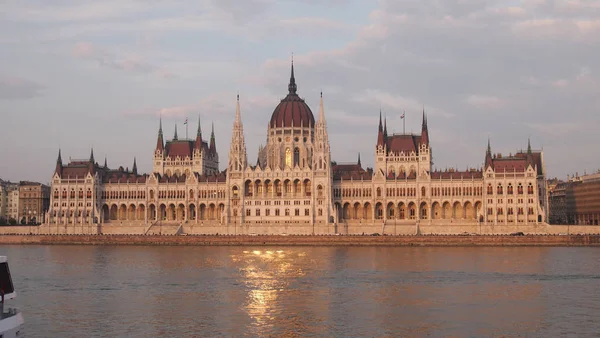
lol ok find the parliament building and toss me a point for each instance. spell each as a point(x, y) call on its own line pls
point(295, 187)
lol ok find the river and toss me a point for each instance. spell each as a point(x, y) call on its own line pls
point(152, 291)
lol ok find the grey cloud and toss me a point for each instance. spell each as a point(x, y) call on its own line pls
point(14, 88)
point(467, 63)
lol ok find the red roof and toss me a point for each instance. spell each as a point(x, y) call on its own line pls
point(181, 148)
point(350, 171)
point(403, 143)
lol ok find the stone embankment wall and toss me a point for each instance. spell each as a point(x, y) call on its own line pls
point(300, 240)
point(140, 228)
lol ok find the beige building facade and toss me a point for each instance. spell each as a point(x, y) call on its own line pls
point(295, 187)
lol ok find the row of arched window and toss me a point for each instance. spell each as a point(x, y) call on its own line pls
point(509, 189)
point(72, 194)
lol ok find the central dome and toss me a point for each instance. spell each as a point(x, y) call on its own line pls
point(292, 110)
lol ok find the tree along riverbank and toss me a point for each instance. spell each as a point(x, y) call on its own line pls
point(307, 240)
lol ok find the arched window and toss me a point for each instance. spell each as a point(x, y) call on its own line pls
point(530, 189)
point(288, 157)
point(423, 191)
point(296, 157)
point(520, 189)
point(235, 191)
point(378, 192)
point(509, 189)
point(499, 192)
point(490, 189)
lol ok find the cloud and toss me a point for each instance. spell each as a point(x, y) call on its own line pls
point(522, 62)
point(558, 129)
point(484, 101)
point(130, 64)
point(15, 88)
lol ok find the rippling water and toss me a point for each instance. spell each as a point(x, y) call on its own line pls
point(129, 291)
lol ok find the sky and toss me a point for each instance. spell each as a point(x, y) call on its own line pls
point(81, 74)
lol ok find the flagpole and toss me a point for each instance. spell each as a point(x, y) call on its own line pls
point(404, 122)
point(186, 128)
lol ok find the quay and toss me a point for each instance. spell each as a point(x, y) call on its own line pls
point(307, 240)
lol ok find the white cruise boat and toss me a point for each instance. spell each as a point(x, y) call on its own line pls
point(11, 319)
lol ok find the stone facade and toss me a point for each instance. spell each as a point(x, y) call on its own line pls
point(295, 187)
point(34, 202)
point(12, 209)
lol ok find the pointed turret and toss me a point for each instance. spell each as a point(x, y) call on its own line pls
point(175, 136)
point(488, 155)
point(105, 164)
point(529, 152)
point(359, 160)
point(385, 134)
point(134, 169)
point(160, 144)
point(91, 165)
point(292, 88)
point(59, 164)
point(321, 109)
point(238, 160)
point(238, 118)
point(424, 130)
point(212, 147)
point(380, 138)
point(198, 144)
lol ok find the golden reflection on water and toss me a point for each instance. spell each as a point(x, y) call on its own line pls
point(307, 291)
point(266, 275)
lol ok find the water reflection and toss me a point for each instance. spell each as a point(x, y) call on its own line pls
point(307, 291)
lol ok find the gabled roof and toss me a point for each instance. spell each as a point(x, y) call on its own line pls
point(350, 171)
point(403, 143)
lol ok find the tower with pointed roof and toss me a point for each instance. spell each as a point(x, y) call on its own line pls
point(238, 160)
point(291, 131)
point(184, 157)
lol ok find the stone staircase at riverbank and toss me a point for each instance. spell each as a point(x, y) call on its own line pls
point(165, 228)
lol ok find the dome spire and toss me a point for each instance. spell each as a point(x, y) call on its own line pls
point(292, 88)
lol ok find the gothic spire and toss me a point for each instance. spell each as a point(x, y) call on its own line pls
point(292, 88)
point(238, 119)
point(359, 160)
point(321, 110)
point(105, 165)
point(58, 169)
point(159, 141)
point(424, 129)
point(488, 155)
point(380, 138)
point(385, 134)
point(528, 146)
point(198, 144)
point(92, 156)
point(175, 136)
point(134, 169)
point(212, 139)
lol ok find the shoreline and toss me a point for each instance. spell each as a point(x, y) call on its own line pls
point(305, 240)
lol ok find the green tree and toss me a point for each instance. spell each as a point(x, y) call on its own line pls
point(12, 221)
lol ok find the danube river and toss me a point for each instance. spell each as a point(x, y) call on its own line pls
point(150, 291)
